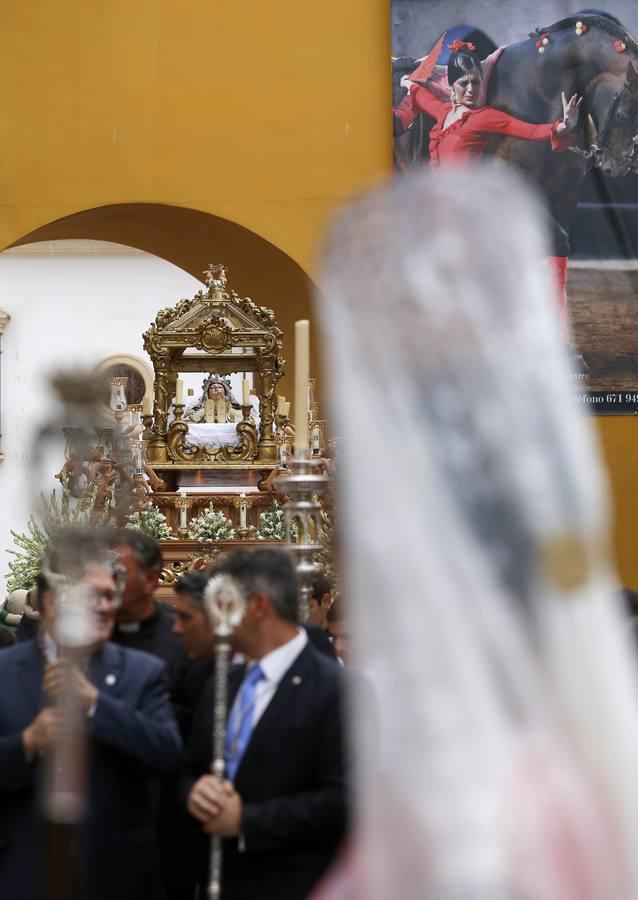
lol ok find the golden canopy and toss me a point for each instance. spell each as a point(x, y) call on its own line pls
point(214, 332)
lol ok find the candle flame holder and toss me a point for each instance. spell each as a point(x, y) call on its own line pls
point(183, 504)
point(244, 531)
point(317, 427)
point(302, 484)
point(282, 440)
point(147, 420)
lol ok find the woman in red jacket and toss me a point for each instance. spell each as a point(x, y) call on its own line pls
point(464, 125)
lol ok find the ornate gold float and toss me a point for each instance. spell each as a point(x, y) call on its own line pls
point(216, 331)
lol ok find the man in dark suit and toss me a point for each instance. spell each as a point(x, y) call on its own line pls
point(283, 811)
point(132, 734)
point(7, 637)
point(194, 629)
point(320, 601)
point(142, 623)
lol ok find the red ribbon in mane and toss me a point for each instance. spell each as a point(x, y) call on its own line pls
point(457, 45)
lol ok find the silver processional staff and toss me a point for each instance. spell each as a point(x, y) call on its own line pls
point(225, 603)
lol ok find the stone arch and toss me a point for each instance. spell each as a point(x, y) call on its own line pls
point(190, 238)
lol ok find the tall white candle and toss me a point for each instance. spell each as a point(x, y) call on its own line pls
point(302, 369)
point(146, 405)
point(281, 405)
point(287, 408)
point(242, 510)
point(179, 391)
point(182, 511)
point(245, 392)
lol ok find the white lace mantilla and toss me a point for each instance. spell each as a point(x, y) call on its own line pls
point(499, 762)
point(212, 435)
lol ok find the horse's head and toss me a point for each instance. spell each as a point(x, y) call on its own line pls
point(617, 138)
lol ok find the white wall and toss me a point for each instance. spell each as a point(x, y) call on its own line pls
point(71, 303)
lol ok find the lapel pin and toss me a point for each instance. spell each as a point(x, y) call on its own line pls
point(296, 679)
point(110, 679)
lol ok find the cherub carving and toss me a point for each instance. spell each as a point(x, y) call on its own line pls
point(71, 473)
point(215, 275)
point(106, 476)
point(141, 492)
point(163, 317)
point(155, 482)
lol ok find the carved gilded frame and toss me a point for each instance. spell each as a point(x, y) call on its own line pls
point(220, 323)
point(116, 365)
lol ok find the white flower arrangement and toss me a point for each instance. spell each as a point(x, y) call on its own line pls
point(31, 544)
point(211, 525)
point(151, 521)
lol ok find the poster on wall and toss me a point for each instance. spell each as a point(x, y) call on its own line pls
point(551, 88)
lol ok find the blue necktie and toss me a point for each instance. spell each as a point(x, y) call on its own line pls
point(240, 722)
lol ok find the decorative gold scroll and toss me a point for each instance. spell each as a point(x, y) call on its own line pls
point(235, 335)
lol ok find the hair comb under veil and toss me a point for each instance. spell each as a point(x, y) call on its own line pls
point(498, 759)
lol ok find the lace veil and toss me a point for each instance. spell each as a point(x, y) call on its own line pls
point(496, 731)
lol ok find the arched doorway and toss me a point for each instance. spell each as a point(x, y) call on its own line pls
point(190, 239)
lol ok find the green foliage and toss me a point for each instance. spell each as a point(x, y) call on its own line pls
point(272, 526)
point(32, 543)
point(28, 557)
point(325, 557)
point(211, 525)
point(151, 521)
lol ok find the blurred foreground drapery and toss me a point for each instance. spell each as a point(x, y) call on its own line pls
point(496, 759)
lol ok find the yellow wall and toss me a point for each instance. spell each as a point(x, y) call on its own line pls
point(266, 114)
point(619, 439)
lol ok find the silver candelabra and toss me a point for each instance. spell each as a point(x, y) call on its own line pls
point(302, 483)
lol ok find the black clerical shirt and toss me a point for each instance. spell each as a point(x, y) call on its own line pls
point(154, 635)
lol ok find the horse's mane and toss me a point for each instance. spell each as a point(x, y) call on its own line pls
point(603, 23)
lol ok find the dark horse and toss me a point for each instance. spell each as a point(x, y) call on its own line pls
point(600, 64)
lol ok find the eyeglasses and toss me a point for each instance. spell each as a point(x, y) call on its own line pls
point(95, 595)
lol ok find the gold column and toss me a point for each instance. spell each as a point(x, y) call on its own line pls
point(267, 447)
point(157, 448)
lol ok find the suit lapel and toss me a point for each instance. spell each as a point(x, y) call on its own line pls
point(105, 668)
point(29, 676)
point(287, 688)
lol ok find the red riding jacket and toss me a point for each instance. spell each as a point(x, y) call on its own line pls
point(468, 136)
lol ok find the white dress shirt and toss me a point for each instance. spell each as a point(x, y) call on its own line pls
point(274, 665)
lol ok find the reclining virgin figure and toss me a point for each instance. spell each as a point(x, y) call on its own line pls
point(216, 404)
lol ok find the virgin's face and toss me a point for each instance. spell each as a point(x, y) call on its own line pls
point(216, 392)
point(467, 89)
